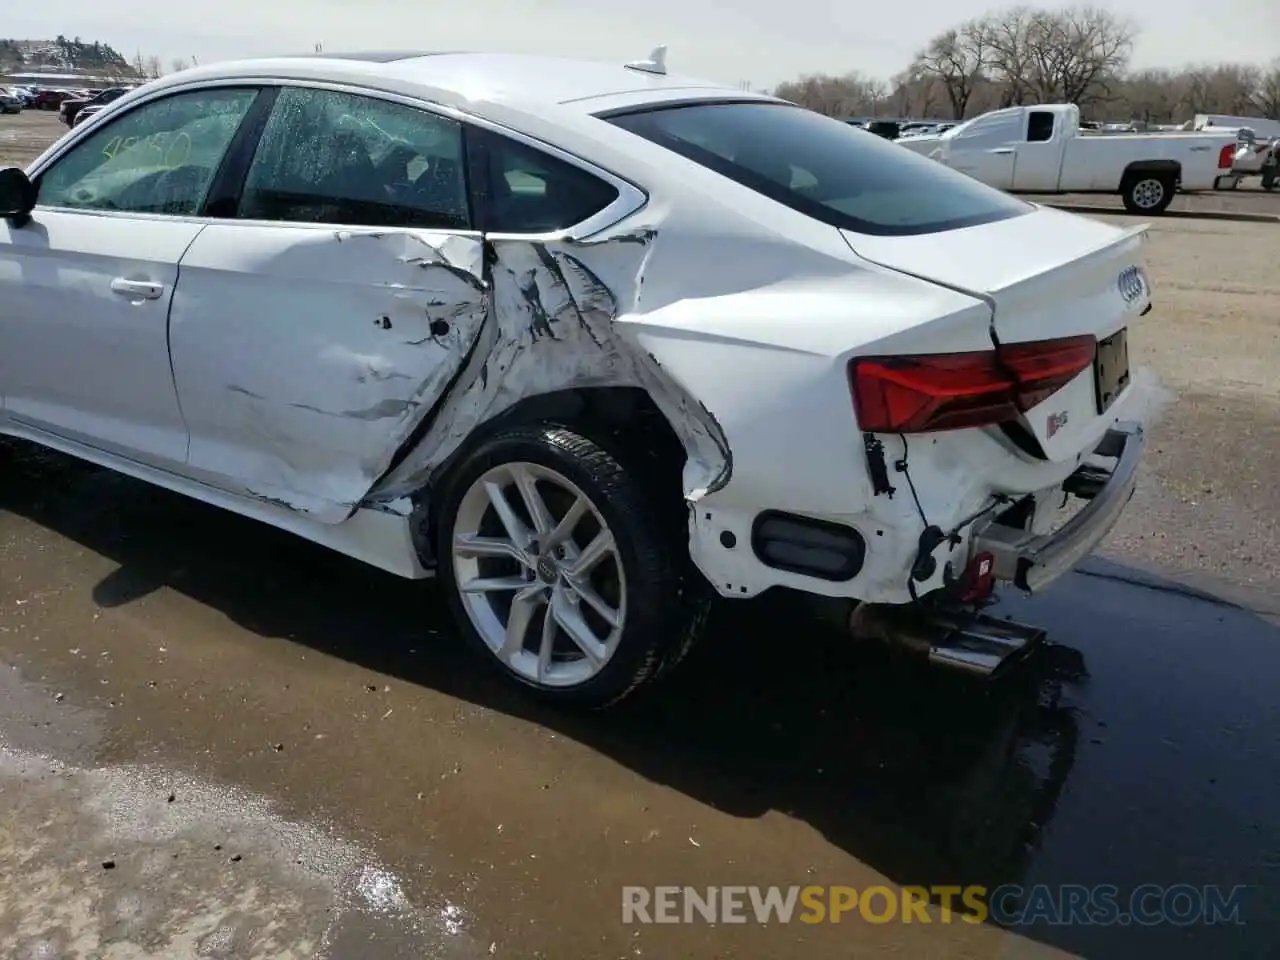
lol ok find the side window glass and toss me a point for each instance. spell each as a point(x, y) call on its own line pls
point(160, 157)
point(533, 192)
point(1039, 126)
point(994, 128)
point(330, 157)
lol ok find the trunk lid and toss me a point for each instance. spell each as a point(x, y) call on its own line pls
point(1046, 275)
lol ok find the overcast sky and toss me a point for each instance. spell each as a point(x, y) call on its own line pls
point(761, 41)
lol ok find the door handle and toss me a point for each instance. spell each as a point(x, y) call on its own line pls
point(1001, 150)
point(138, 289)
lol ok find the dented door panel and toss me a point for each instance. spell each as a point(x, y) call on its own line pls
point(306, 356)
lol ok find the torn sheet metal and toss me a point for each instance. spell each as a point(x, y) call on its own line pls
point(304, 359)
point(552, 327)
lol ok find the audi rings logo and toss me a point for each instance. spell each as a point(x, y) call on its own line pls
point(1131, 284)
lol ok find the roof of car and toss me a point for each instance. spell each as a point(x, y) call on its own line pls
point(457, 78)
point(552, 100)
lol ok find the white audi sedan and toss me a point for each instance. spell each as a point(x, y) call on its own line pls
point(591, 343)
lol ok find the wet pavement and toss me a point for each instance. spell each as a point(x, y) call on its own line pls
point(299, 707)
point(140, 860)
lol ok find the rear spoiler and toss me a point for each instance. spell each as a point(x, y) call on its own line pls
point(1132, 235)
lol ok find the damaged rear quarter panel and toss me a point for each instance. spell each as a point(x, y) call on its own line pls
point(552, 327)
point(305, 357)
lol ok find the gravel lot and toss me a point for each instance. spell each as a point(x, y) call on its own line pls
point(283, 754)
point(1249, 198)
point(24, 136)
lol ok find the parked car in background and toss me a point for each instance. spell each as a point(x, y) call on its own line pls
point(916, 127)
point(25, 94)
point(889, 129)
point(68, 109)
point(1261, 127)
point(1255, 158)
point(50, 99)
point(923, 129)
point(1041, 149)
point(87, 112)
point(10, 102)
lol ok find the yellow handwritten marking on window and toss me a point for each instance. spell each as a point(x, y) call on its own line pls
point(179, 151)
point(171, 150)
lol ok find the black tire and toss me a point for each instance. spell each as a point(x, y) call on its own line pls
point(666, 600)
point(1138, 188)
point(1271, 177)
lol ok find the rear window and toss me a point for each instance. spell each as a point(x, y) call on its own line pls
point(821, 167)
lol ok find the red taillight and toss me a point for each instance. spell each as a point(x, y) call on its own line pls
point(1227, 156)
point(948, 391)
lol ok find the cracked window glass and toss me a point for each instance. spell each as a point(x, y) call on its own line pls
point(331, 157)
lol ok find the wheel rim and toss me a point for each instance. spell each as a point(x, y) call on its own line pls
point(539, 574)
point(1148, 193)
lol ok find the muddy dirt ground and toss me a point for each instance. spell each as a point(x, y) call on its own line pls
point(217, 741)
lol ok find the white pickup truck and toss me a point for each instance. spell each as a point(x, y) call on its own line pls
point(1041, 149)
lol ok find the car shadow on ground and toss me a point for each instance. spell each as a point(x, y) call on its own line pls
point(929, 777)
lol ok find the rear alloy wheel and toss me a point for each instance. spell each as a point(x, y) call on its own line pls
point(553, 559)
point(1148, 194)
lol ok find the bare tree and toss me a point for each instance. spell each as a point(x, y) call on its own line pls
point(1152, 96)
point(913, 94)
point(1080, 53)
point(154, 68)
point(139, 65)
point(1008, 56)
point(850, 95)
point(1267, 97)
point(1224, 88)
point(178, 64)
point(954, 61)
point(1197, 94)
point(1077, 54)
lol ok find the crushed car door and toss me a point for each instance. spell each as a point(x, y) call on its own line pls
point(314, 333)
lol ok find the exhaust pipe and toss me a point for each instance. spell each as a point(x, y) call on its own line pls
point(961, 640)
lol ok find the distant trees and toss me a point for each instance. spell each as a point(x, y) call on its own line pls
point(849, 95)
point(63, 54)
point(1076, 54)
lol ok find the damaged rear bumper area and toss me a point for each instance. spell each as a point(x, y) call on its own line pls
point(1034, 561)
